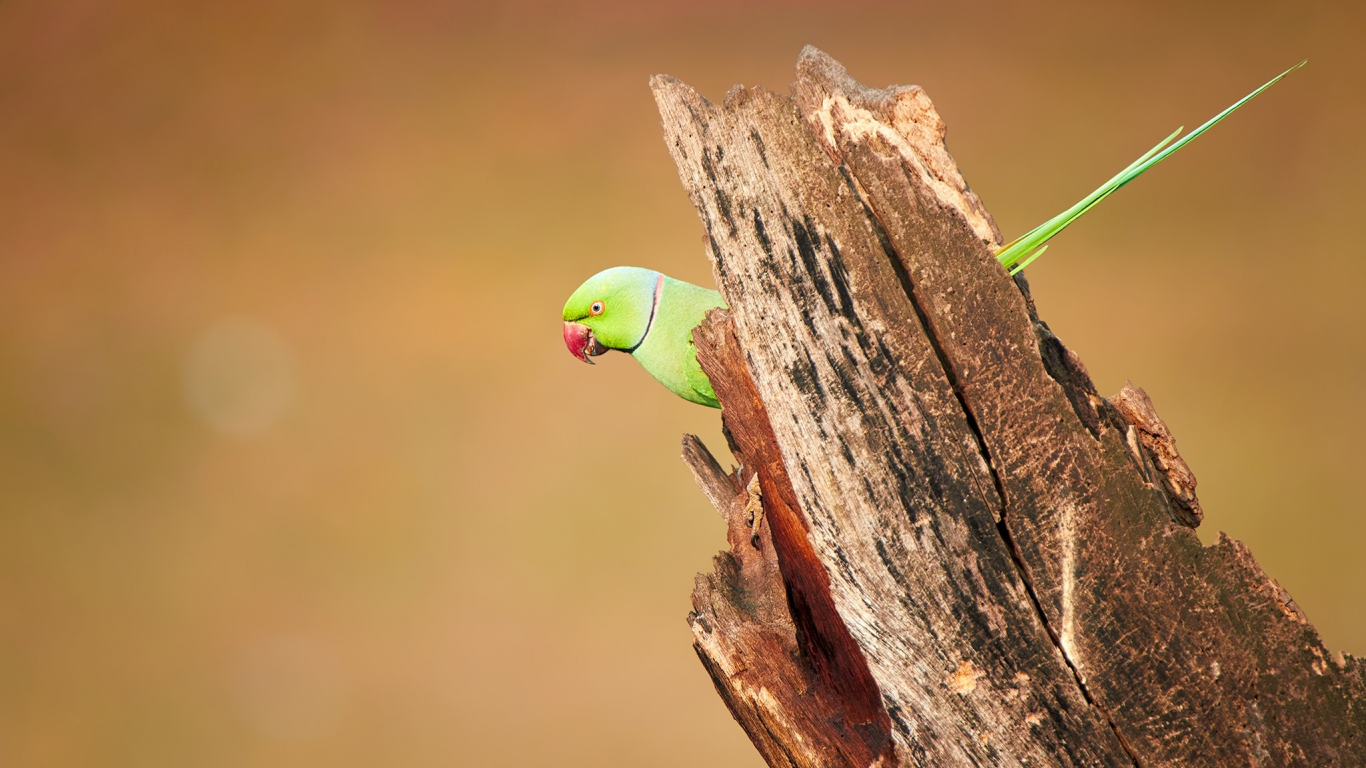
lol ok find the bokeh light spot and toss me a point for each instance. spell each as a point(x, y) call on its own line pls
point(239, 376)
point(288, 688)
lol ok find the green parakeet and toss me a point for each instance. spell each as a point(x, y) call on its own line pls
point(649, 315)
point(652, 316)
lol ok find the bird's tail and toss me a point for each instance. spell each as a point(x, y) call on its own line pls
point(1018, 253)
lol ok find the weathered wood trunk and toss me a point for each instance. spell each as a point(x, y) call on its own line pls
point(966, 555)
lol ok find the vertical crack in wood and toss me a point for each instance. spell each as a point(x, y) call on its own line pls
point(826, 69)
point(1062, 636)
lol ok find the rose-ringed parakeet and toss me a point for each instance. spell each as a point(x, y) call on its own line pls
point(649, 315)
point(652, 316)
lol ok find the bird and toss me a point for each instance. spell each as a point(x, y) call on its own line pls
point(651, 316)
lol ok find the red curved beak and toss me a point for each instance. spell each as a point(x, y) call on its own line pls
point(579, 338)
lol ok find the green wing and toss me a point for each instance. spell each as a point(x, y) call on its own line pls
point(1018, 253)
point(698, 380)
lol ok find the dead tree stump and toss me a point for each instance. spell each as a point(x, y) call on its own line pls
point(966, 555)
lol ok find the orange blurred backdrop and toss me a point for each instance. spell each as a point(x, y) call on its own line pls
point(295, 469)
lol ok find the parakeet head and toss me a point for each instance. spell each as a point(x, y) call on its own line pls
point(611, 310)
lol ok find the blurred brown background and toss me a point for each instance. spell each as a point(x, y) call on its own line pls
point(295, 469)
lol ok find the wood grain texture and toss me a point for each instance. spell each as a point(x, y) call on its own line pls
point(981, 560)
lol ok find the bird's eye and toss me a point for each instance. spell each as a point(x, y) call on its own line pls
point(596, 309)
